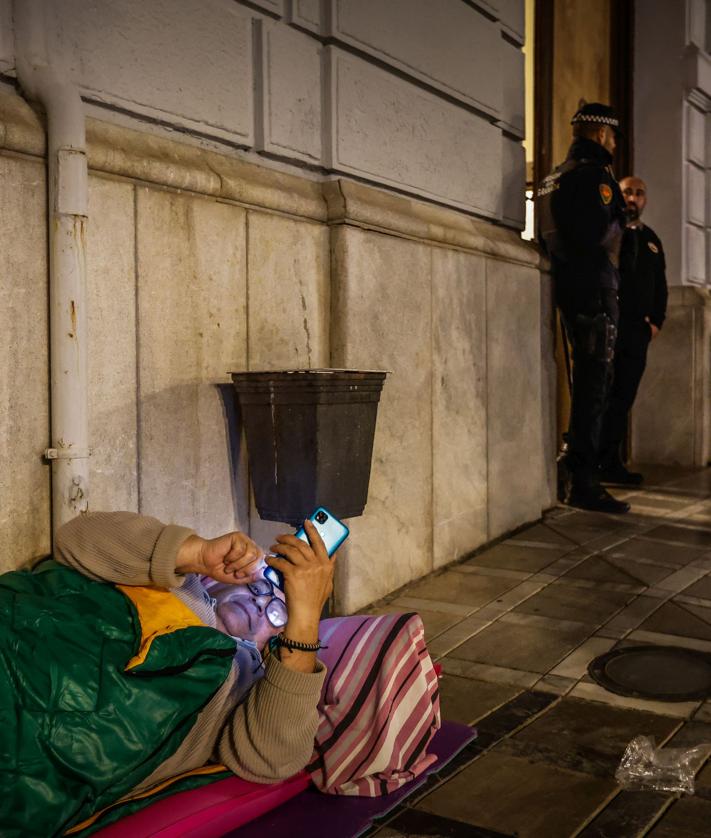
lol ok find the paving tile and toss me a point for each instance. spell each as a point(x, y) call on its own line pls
point(435, 622)
point(669, 554)
point(555, 684)
point(526, 647)
point(681, 580)
point(520, 618)
point(634, 614)
point(600, 569)
point(562, 566)
point(686, 818)
point(671, 618)
point(694, 536)
point(699, 608)
point(512, 716)
point(579, 532)
point(665, 502)
point(621, 587)
point(466, 700)
point(503, 572)
point(569, 603)
point(661, 639)
point(516, 595)
point(514, 557)
point(594, 692)
point(576, 664)
point(584, 736)
point(485, 672)
point(701, 589)
point(411, 822)
point(702, 781)
point(642, 570)
point(544, 535)
point(615, 634)
point(457, 634)
point(694, 734)
point(704, 561)
point(703, 714)
point(419, 604)
point(540, 801)
point(630, 813)
point(461, 588)
point(542, 577)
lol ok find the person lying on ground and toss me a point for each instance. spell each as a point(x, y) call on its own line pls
point(141, 651)
point(260, 721)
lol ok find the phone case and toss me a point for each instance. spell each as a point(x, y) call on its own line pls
point(332, 531)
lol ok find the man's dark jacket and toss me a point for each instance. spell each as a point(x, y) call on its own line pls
point(643, 286)
point(581, 215)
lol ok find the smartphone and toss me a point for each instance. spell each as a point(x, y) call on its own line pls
point(332, 531)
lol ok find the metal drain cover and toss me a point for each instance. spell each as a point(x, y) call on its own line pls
point(662, 673)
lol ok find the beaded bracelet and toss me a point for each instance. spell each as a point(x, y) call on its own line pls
point(280, 640)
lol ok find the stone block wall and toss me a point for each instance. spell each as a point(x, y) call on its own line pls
point(426, 98)
point(670, 422)
point(200, 263)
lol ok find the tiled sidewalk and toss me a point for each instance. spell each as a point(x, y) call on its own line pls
point(515, 628)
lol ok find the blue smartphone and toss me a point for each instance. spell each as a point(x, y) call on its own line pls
point(332, 531)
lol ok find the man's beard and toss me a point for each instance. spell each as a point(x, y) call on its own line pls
point(632, 213)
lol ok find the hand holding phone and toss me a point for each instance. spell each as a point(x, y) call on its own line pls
point(332, 531)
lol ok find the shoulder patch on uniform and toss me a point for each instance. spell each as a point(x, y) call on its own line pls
point(653, 247)
point(605, 193)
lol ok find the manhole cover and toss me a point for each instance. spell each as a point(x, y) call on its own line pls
point(663, 673)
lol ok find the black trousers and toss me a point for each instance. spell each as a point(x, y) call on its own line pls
point(592, 380)
point(629, 364)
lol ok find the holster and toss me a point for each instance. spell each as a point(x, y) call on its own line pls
point(596, 336)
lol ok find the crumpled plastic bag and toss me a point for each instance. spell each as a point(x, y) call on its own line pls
point(645, 767)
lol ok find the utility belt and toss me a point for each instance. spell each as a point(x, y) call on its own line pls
point(596, 336)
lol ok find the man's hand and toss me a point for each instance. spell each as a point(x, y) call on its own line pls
point(308, 581)
point(652, 328)
point(232, 558)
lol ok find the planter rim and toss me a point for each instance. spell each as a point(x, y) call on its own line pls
point(319, 371)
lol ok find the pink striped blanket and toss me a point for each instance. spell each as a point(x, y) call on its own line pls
point(379, 707)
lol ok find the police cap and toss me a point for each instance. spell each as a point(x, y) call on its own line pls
point(595, 113)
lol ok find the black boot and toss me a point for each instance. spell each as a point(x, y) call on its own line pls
point(612, 470)
point(592, 496)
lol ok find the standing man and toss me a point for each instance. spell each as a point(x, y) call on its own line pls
point(643, 305)
point(581, 219)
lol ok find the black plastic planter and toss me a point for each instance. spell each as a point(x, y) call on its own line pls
point(309, 439)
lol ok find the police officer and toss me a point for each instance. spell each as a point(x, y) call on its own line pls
point(643, 304)
point(581, 215)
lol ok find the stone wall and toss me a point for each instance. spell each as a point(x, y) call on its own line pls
point(200, 263)
point(671, 422)
point(672, 124)
point(426, 98)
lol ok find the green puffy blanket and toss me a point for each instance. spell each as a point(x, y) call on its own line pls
point(78, 729)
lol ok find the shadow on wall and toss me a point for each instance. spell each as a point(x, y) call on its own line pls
point(191, 462)
point(236, 449)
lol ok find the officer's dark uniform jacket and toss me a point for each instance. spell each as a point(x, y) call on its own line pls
point(643, 285)
point(581, 219)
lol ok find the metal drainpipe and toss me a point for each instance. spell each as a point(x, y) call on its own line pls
point(41, 79)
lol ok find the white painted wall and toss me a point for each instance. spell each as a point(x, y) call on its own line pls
point(420, 96)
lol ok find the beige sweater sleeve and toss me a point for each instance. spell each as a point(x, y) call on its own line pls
point(122, 547)
point(271, 734)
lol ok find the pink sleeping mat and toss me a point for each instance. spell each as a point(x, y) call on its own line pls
point(207, 812)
